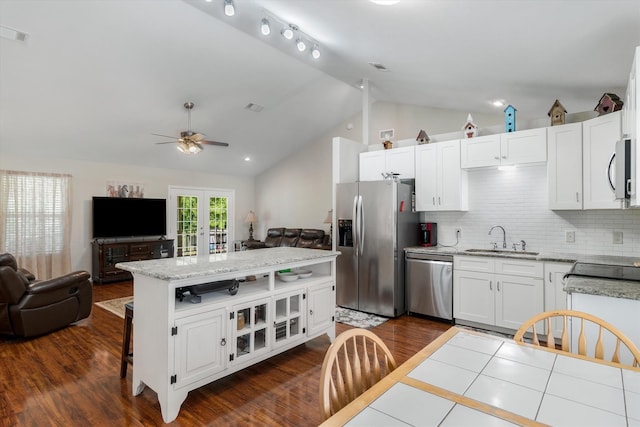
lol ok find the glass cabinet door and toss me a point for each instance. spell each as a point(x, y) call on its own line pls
point(288, 321)
point(251, 332)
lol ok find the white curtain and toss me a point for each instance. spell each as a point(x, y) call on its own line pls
point(35, 221)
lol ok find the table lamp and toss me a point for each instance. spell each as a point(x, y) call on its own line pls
point(251, 218)
point(329, 220)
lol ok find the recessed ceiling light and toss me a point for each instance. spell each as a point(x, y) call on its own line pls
point(229, 8)
point(385, 2)
point(287, 32)
point(378, 66)
point(247, 159)
point(301, 45)
point(254, 107)
point(315, 52)
point(498, 103)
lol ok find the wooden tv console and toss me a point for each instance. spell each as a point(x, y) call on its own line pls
point(105, 254)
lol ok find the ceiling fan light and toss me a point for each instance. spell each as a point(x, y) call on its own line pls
point(182, 147)
point(229, 8)
point(264, 27)
point(301, 45)
point(194, 148)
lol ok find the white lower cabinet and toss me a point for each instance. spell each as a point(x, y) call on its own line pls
point(321, 306)
point(484, 294)
point(555, 298)
point(200, 346)
point(251, 334)
point(289, 319)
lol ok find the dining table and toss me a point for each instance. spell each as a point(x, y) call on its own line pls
point(471, 378)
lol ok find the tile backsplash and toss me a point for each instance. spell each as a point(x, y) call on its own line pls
point(517, 200)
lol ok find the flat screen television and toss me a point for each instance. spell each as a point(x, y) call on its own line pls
point(124, 217)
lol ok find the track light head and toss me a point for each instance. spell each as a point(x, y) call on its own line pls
point(315, 52)
point(229, 8)
point(265, 28)
point(300, 44)
point(287, 32)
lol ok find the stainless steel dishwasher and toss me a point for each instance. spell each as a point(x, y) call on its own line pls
point(429, 284)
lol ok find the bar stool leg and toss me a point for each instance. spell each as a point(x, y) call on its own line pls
point(127, 356)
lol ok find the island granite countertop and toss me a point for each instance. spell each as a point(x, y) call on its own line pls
point(193, 267)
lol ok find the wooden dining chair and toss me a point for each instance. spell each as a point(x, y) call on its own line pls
point(604, 328)
point(355, 361)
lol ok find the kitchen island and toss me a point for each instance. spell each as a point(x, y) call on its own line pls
point(181, 345)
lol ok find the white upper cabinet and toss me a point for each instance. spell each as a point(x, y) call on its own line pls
point(525, 146)
point(514, 148)
point(441, 185)
point(599, 138)
point(481, 151)
point(564, 168)
point(397, 160)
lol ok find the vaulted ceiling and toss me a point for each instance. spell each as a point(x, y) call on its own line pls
point(96, 78)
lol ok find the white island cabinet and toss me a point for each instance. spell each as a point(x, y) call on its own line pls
point(180, 345)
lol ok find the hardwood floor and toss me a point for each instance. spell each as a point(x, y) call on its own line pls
point(71, 377)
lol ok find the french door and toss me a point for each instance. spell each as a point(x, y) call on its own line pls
point(201, 220)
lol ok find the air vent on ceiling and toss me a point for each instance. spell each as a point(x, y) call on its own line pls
point(254, 107)
point(378, 66)
point(13, 34)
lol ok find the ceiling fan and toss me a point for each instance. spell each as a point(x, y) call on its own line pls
point(190, 142)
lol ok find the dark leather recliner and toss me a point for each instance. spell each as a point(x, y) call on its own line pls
point(30, 307)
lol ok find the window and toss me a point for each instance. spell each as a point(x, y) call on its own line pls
point(35, 220)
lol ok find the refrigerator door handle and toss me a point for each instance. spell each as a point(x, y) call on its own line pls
point(354, 229)
point(361, 225)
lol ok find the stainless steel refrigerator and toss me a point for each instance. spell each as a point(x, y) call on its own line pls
point(375, 224)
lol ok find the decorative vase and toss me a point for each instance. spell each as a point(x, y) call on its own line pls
point(387, 145)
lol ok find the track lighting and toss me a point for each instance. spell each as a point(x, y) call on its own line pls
point(229, 8)
point(264, 27)
point(301, 45)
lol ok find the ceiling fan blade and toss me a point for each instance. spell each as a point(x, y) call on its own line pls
point(166, 136)
point(197, 137)
point(167, 142)
point(221, 144)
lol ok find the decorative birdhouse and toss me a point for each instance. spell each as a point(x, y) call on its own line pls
point(557, 113)
point(422, 137)
point(510, 118)
point(470, 129)
point(609, 102)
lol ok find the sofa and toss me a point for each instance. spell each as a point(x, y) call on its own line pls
point(292, 238)
point(31, 307)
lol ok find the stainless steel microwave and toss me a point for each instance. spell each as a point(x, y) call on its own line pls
point(619, 171)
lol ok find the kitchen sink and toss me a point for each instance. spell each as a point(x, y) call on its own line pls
point(505, 252)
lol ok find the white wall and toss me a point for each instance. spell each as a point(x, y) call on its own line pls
point(517, 200)
point(89, 179)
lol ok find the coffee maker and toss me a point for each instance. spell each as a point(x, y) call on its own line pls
point(428, 234)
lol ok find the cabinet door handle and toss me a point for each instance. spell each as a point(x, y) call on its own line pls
point(490, 287)
point(439, 202)
point(496, 157)
point(504, 157)
point(223, 342)
point(434, 201)
point(498, 285)
point(311, 312)
point(550, 278)
point(577, 196)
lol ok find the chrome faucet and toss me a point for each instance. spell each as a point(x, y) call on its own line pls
point(504, 235)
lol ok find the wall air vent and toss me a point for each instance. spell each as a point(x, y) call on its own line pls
point(13, 34)
point(378, 66)
point(254, 107)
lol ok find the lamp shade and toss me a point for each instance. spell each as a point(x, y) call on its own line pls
point(251, 217)
point(329, 218)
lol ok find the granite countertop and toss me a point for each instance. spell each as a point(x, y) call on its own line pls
point(613, 288)
point(193, 267)
point(541, 256)
point(573, 284)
